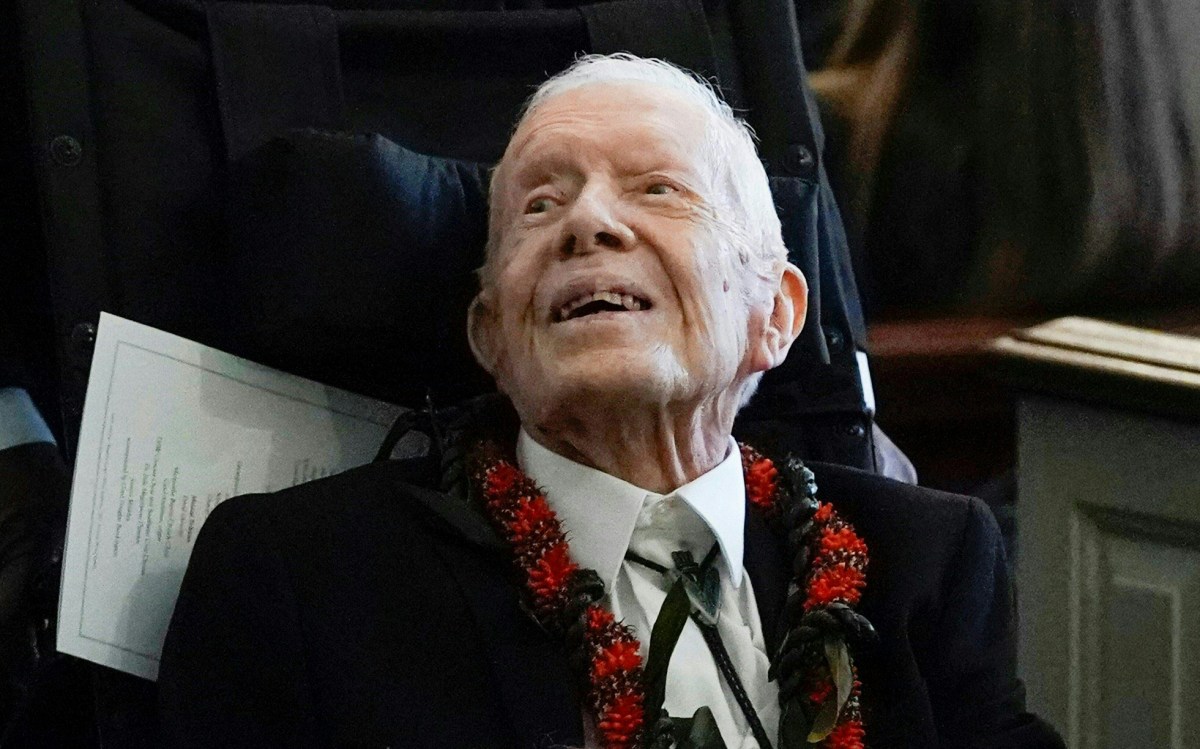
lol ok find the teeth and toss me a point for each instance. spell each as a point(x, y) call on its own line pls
point(628, 301)
point(607, 296)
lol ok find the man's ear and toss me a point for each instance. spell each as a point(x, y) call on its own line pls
point(788, 311)
point(481, 331)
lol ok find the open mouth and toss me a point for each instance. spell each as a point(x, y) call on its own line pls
point(596, 302)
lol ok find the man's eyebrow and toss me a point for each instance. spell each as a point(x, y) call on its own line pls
point(672, 162)
point(538, 169)
point(685, 174)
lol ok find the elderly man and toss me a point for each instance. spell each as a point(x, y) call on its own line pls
point(594, 561)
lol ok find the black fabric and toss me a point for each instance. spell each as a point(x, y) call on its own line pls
point(319, 219)
point(765, 559)
point(24, 301)
point(397, 659)
point(785, 118)
point(53, 141)
point(357, 618)
point(73, 703)
point(674, 30)
point(275, 68)
point(33, 510)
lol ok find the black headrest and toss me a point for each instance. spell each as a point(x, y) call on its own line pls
point(353, 263)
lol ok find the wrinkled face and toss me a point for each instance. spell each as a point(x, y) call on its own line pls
point(609, 275)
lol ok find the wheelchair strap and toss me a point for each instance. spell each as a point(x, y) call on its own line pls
point(277, 67)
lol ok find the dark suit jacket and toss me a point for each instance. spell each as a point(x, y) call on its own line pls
point(363, 610)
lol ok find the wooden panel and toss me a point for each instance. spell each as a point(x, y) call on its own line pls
point(1102, 362)
point(1135, 635)
point(1109, 573)
point(1139, 673)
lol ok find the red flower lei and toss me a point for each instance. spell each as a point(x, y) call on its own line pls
point(836, 574)
point(615, 692)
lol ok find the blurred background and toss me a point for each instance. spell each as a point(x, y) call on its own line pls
point(999, 163)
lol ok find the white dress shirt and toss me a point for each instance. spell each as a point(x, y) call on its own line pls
point(604, 516)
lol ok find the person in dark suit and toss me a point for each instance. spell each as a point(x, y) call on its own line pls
point(589, 559)
point(34, 477)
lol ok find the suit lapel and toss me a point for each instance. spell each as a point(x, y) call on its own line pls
point(529, 667)
point(767, 563)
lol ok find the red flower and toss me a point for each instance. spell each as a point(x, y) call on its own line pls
point(598, 619)
point(621, 655)
point(622, 721)
point(530, 514)
point(761, 477)
point(837, 583)
point(848, 735)
point(823, 513)
point(548, 576)
point(843, 539)
point(501, 479)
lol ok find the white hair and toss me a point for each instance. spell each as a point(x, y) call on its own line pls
point(742, 207)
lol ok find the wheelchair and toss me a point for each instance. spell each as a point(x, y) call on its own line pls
point(306, 187)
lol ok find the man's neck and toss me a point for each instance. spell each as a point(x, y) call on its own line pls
point(659, 451)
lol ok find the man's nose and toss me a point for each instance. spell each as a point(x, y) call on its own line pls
point(593, 224)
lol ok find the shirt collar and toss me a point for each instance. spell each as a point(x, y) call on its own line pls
point(599, 511)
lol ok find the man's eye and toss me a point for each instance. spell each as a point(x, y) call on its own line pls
point(660, 188)
point(540, 205)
